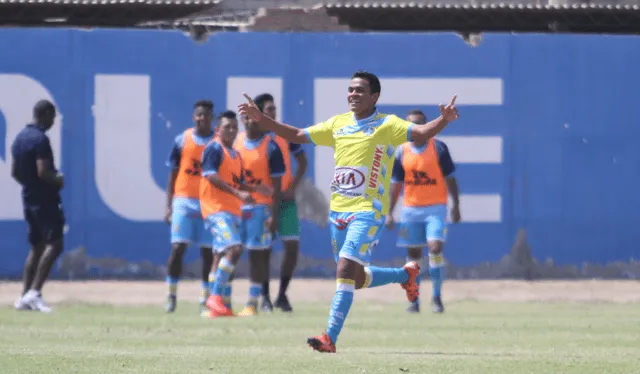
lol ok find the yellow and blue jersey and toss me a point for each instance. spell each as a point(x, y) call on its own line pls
point(364, 154)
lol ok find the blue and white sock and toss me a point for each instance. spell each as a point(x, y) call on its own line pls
point(254, 293)
point(340, 307)
point(172, 282)
point(226, 295)
point(437, 272)
point(225, 269)
point(377, 276)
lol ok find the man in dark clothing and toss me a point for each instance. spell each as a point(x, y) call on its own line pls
point(33, 168)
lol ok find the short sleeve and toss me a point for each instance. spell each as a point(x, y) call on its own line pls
point(276, 160)
point(176, 152)
point(320, 134)
point(211, 159)
point(400, 130)
point(397, 176)
point(295, 149)
point(444, 159)
point(43, 149)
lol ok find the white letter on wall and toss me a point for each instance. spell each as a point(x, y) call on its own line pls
point(123, 147)
point(18, 95)
point(329, 100)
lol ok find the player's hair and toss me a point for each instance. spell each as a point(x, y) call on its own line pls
point(229, 114)
point(374, 82)
point(262, 99)
point(207, 104)
point(417, 112)
point(43, 108)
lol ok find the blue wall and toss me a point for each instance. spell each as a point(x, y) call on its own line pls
point(567, 117)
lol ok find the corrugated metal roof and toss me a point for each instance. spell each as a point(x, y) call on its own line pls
point(432, 5)
point(112, 2)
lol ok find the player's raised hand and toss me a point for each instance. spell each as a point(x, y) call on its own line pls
point(250, 109)
point(450, 112)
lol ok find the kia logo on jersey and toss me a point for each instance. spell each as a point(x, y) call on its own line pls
point(347, 178)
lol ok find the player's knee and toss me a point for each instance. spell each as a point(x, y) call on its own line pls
point(414, 253)
point(232, 253)
point(291, 246)
point(178, 249)
point(435, 247)
point(206, 253)
point(347, 268)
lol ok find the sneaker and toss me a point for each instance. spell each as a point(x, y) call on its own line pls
point(411, 286)
point(248, 311)
point(35, 301)
point(322, 343)
point(414, 307)
point(170, 305)
point(21, 305)
point(282, 303)
point(217, 308)
point(436, 305)
point(266, 306)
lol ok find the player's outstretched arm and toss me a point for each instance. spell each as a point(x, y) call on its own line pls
point(289, 133)
point(448, 114)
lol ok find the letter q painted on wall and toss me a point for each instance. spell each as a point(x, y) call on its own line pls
point(17, 112)
point(399, 91)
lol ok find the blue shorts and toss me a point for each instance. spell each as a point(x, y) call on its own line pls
point(355, 235)
point(225, 230)
point(189, 228)
point(255, 232)
point(422, 224)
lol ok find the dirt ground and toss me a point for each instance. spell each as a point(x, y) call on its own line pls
point(304, 290)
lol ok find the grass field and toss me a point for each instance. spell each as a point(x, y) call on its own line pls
point(489, 327)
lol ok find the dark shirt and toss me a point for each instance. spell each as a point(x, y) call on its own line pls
point(32, 144)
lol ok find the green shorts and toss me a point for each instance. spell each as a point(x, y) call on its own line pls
point(288, 225)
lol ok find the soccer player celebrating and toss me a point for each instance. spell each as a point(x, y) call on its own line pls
point(183, 201)
point(288, 223)
point(263, 165)
point(426, 171)
point(222, 194)
point(363, 142)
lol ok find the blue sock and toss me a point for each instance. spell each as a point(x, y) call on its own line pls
point(436, 271)
point(377, 276)
point(225, 269)
point(212, 282)
point(254, 293)
point(173, 285)
point(340, 308)
point(205, 292)
point(226, 295)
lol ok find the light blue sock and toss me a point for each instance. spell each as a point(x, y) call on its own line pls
point(225, 269)
point(380, 276)
point(173, 285)
point(226, 295)
point(212, 282)
point(205, 292)
point(436, 271)
point(340, 308)
point(254, 293)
